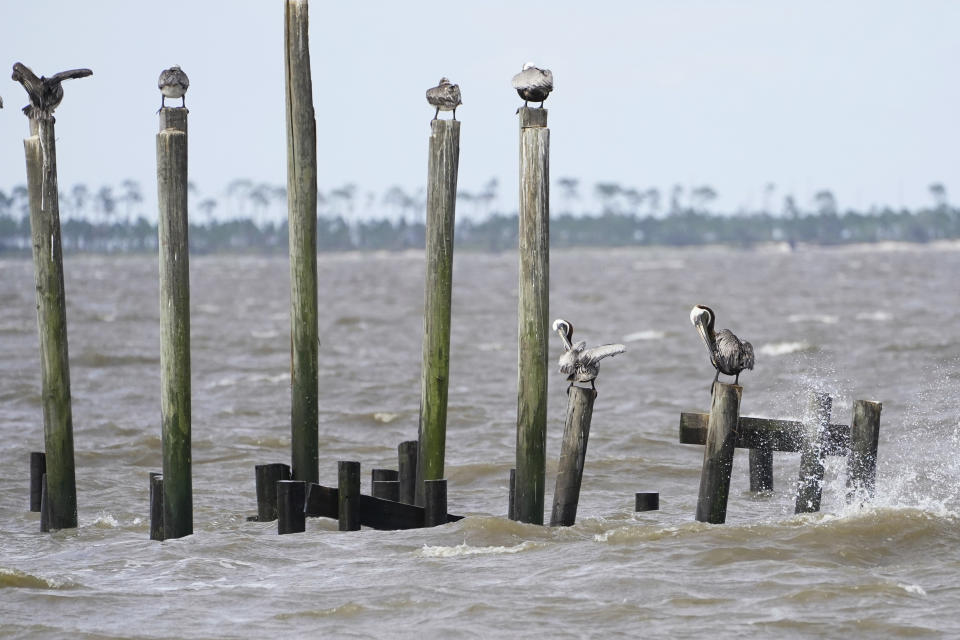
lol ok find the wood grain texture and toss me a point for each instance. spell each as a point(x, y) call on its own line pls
point(533, 315)
point(864, 440)
point(302, 219)
point(573, 453)
point(752, 433)
point(718, 453)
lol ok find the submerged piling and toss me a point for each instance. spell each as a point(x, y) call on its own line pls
point(267, 476)
point(444, 152)
point(434, 502)
point(718, 453)
point(407, 464)
point(864, 439)
point(156, 506)
point(291, 500)
point(816, 426)
point(174, 246)
point(533, 314)
point(573, 452)
point(348, 495)
point(302, 220)
point(761, 468)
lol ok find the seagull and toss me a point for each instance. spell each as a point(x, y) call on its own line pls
point(533, 84)
point(581, 364)
point(445, 97)
point(45, 93)
point(173, 83)
point(728, 354)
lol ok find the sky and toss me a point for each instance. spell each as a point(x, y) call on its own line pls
point(852, 96)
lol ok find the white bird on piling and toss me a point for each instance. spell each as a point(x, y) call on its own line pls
point(581, 364)
point(445, 97)
point(728, 354)
point(173, 83)
point(533, 84)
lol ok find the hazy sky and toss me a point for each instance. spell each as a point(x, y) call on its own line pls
point(853, 96)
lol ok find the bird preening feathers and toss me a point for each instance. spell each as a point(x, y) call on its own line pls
point(533, 84)
point(728, 354)
point(173, 83)
point(579, 363)
point(445, 97)
point(45, 93)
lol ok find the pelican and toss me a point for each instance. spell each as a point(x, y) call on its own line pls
point(445, 97)
point(533, 84)
point(45, 93)
point(173, 83)
point(728, 354)
point(581, 364)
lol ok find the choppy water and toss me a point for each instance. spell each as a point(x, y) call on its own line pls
point(878, 324)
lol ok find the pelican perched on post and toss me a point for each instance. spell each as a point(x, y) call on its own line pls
point(173, 83)
point(581, 364)
point(533, 84)
point(445, 97)
point(728, 354)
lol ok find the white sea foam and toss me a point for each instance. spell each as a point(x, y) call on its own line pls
point(875, 316)
point(783, 348)
point(649, 334)
point(105, 521)
point(385, 416)
point(913, 588)
point(466, 550)
point(813, 317)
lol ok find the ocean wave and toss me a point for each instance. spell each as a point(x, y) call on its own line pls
point(875, 316)
point(813, 317)
point(783, 348)
point(16, 579)
point(649, 334)
point(385, 416)
point(653, 265)
point(466, 550)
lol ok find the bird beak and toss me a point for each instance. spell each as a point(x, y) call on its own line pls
point(699, 319)
point(561, 327)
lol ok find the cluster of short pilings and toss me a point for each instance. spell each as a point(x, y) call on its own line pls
point(724, 430)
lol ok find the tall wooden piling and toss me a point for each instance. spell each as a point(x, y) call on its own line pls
point(573, 452)
point(718, 453)
point(533, 314)
point(444, 152)
point(407, 464)
point(38, 467)
point(348, 495)
point(41, 154)
point(864, 439)
point(816, 426)
point(302, 220)
point(175, 409)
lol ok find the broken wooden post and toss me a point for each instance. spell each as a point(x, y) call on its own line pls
point(156, 506)
point(407, 464)
point(864, 439)
point(443, 163)
point(302, 221)
point(385, 484)
point(41, 156)
point(175, 405)
point(267, 476)
point(38, 467)
point(718, 453)
point(573, 452)
point(816, 425)
point(291, 502)
point(434, 502)
point(348, 496)
point(533, 309)
point(761, 468)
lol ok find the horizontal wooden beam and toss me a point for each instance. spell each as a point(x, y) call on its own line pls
point(753, 433)
point(375, 513)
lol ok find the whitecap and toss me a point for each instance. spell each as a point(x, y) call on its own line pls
point(783, 348)
point(913, 588)
point(105, 521)
point(385, 417)
point(466, 550)
point(649, 334)
point(813, 317)
point(875, 316)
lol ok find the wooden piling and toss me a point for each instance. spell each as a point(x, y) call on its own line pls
point(761, 468)
point(718, 453)
point(291, 501)
point(647, 501)
point(41, 155)
point(38, 467)
point(267, 476)
point(816, 428)
point(407, 464)
point(348, 497)
point(533, 314)
point(444, 152)
point(386, 490)
point(44, 505)
point(156, 506)
point(573, 452)
point(512, 499)
point(302, 222)
point(434, 502)
point(864, 439)
point(175, 409)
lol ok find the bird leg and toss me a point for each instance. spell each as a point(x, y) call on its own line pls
point(541, 104)
point(184, 103)
point(437, 113)
point(737, 379)
point(454, 114)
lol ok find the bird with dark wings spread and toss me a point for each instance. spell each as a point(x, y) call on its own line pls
point(45, 93)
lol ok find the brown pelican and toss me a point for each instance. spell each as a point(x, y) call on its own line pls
point(173, 83)
point(728, 354)
point(581, 364)
point(533, 84)
point(45, 93)
point(445, 97)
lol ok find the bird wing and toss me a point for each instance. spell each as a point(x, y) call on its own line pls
point(69, 75)
point(596, 354)
point(748, 356)
point(731, 356)
point(534, 78)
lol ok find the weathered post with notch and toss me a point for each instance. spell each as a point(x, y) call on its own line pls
point(864, 439)
point(302, 220)
point(718, 453)
point(533, 314)
point(444, 152)
point(41, 155)
point(573, 453)
point(816, 435)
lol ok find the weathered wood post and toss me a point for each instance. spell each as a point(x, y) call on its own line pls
point(864, 439)
point(407, 464)
point(291, 502)
point(816, 425)
point(41, 156)
point(573, 452)
point(512, 498)
point(38, 467)
point(302, 219)
point(435, 502)
point(267, 476)
point(175, 406)
point(444, 151)
point(156, 506)
point(379, 487)
point(761, 468)
point(44, 505)
point(646, 501)
point(718, 453)
point(533, 314)
point(348, 495)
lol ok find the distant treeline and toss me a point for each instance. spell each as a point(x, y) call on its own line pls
point(100, 221)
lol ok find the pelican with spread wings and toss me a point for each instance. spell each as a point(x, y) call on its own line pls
point(579, 363)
